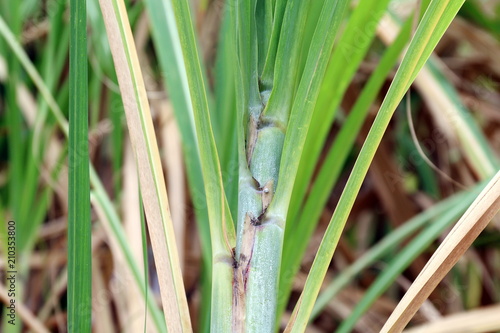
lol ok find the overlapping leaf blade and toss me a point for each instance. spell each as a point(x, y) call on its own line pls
point(434, 23)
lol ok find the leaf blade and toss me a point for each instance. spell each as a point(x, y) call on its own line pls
point(434, 23)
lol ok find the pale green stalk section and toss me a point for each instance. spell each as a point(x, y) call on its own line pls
point(98, 191)
point(151, 179)
point(221, 224)
point(264, 145)
point(434, 23)
point(248, 108)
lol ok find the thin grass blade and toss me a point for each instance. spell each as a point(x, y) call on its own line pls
point(448, 109)
point(79, 224)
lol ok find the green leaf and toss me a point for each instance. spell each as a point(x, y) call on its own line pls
point(434, 86)
point(406, 256)
point(434, 23)
point(297, 239)
point(346, 58)
point(79, 224)
point(147, 156)
point(102, 200)
point(168, 48)
point(287, 64)
point(303, 105)
point(225, 113)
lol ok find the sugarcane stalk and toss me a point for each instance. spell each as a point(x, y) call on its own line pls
point(265, 113)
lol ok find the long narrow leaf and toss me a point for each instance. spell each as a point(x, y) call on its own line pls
point(79, 224)
point(168, 49)
point(346, 58)
point(303, 105)
point(434, 23)
point(460, 238)
point(151, 179)
point(389, 242)
point(308, 218)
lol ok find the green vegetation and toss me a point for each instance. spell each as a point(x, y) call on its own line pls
point(315, 156)
point(79, 225)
